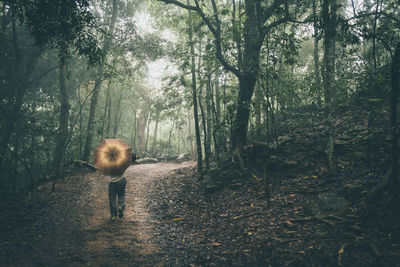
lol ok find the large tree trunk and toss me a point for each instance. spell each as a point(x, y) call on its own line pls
point(194, 96)
point(329, 19)
point(62, 135)
point(394, 178)
point(97, 88)
point(248, 75)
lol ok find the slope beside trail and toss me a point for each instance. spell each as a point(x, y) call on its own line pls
point(72, 227)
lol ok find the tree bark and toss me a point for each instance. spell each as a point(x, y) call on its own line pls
point(208, 119)
point(157, 118)
point(316, 56)
point(203, 120)
point(329, 19)
point(147, 134)
point(394, 177)
point(194, 96)
point(141, 126)
point(62, 135)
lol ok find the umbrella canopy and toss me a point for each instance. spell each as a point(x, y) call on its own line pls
point(112, 157)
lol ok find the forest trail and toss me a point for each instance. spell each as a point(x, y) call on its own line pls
point(131, 239)
point(72, 226)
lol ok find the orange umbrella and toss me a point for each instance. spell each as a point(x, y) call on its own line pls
point(112, 156)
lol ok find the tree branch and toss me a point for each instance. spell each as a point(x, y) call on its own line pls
point(177, 3)
point(216, 31)
point(387, 15)
point(217, 35)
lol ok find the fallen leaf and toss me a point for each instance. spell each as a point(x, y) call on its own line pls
point(177, 219)
point(289, 223)
point(216, 244)
point(246, 250)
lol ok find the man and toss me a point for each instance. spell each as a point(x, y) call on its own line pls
point(116, 186)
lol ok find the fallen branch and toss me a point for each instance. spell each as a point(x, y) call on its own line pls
point(247, 215)
point(82, 163)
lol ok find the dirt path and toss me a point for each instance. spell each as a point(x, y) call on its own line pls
point(72, 227)
point(131, 239)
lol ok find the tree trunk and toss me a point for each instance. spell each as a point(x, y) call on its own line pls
point(108, 102)
point(141, 126)
point(203, 120)
point(394, 178)
point(194, 96)
point(316, 56)
point(258, 101)
point(248, 76)
point(329, 19)
point(157, 118)
point(147, 134)
point(97, 88)
point(62, 135)
point(133, 133)
point(118, 115)
point(190, 135)
point(208, 120)
point(170, 135)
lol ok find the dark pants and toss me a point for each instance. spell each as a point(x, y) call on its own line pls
point(114, 189)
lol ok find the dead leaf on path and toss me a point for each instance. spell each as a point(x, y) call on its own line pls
point(246, 250)
point(177, 219)
point(223, 215)
point(256, 178)
point(216, 244)
point(289, 223)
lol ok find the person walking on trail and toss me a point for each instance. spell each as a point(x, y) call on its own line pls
point(116, 186)
point(112, 157)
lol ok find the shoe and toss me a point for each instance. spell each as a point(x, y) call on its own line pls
point(120, 212)
point(113, 218)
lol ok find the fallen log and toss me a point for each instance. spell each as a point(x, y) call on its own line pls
point(81, 163)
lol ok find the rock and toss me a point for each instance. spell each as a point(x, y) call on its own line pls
point(183, 157)
point(147, 160)
point(327, 203)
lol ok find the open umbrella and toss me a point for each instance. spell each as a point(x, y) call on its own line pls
point(112, 156)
